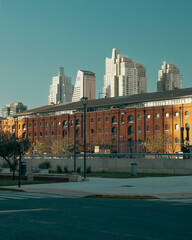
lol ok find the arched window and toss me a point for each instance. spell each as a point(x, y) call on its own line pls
point(148, 128)
point(106, 119)
point(166, 115)
point(52, 133)
point(92, 120)
point(24, 135)
point(29, 135)
point(77, 122)
point(77, 133)
point(157, 115)
point(187, 125)
point(166, 127)
point(139, 128)
point(24, 126)
point(130, 130)
point(122, 119)
point(176, 140)
point(92, 131)
point(64, 133)
point(176, 114)
point(176, 126)
point(46, 124)
point(40, 124)
point(130, 119)
point(99, 131)
point(99, 120)
point(148, 116)
point(114, 120)
point(41, 134)
point(157, 127)
point(59, 123)
point(52, 124)
point(64, 123)
point(114, 131)
point(35, 134)
point(186, 113)
point(71, 123)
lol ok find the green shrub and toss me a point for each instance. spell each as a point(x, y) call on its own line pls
point(89, 169)
point(59, 169)
point(45, 165)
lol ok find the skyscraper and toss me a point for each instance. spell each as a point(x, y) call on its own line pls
point(169, 78)
point(61, 89)
point(13, 108)
point(84, 85)
point(123, 76)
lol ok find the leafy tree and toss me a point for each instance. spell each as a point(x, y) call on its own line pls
point(39, 147)
point(157, 143)
point(57, 147)
point(69, 148)
point(9, 150)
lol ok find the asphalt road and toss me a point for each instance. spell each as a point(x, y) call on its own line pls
point(49, 217)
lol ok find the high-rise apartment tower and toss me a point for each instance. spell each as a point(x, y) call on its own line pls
point(61, 89)
point(123, 76)
point(169, 78)
point(84, 85)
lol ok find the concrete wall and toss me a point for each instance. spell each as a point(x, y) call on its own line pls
point(98, 164)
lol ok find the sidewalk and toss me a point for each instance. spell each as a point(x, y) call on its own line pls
point(179, 187)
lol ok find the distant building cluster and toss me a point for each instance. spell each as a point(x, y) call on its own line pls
point(13, 108)
point(169, 78)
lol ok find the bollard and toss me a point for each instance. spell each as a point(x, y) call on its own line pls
point(133, 169)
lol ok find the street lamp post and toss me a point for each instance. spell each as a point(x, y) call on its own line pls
point(74, 143)
point(84, 101)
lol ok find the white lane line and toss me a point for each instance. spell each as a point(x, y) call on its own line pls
point(26, 210)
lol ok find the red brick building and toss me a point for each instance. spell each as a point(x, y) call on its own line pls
point(122, 124)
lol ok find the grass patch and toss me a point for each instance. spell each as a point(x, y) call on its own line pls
point(8, 182)
point(128, 175)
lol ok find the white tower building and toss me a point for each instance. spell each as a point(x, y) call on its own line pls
point(84, 85)
point(61, 89)
point(169, 78)
point(123, 76)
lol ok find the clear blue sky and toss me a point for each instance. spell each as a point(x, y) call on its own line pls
point(39, 36)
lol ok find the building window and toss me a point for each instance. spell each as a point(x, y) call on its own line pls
point(78, 133)
point(157, 115)
point(114, 131)
point(139, 128)
point(176, 140)
point(148, 116)
point(157, 127)
point(40, 124)
point(130, 130)
point(64, 133)
point(166, 127)
point(29, 125)
point(186, 113)
point(130, 119)
point(41, 134)
point(71, 123)
point(59, 123)
point(148, 128)
point(58, 133)
point(77, 122)
point(139, 117)
point(187, 125)
point(46, 124)
point(99, 131)
point(99, 120)
point(47, 134)
point(92, 120)
point(64, 123)
point(114, 120)
point(106, 119)
point(176, 126)
point(166, 115)
point(24, 127)
point(122, 119)
point(92, 131)
point(52, 133)
point(176, 114)
point(107, 130)
point(29, 135)
point(52, 124)
point(35, 134)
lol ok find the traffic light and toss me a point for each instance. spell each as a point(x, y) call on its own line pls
point(20, 147)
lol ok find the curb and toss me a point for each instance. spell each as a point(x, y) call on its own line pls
point(13, 189)
point(123, 196)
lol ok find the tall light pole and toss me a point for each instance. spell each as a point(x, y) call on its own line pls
point(84, 101)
